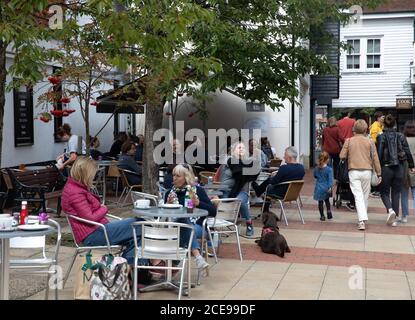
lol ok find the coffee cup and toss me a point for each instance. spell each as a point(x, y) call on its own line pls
point(6, 222)
point(142, 203)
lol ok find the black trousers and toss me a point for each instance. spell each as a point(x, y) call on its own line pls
point(390, 189)
point(262, 187)
point(334, 159)
point(321, 206)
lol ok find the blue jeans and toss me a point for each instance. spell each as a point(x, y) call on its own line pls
point(119, 233)
point(405, 200)
point(244, 210)
point(185, 234)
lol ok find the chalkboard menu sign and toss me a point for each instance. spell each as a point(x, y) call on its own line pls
point(23, 116)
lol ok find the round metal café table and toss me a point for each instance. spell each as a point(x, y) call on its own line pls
point(169, 214)
point(5, 237)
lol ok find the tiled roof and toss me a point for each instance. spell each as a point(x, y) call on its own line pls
point(393, 6)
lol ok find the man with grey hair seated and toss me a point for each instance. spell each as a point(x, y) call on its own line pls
point(288, 172)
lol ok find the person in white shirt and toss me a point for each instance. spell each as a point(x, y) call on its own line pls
point(75, 146)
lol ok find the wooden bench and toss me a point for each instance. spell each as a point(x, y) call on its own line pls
point(37, 186)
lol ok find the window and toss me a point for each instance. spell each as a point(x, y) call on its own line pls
point(353, 54)
point(373, 53)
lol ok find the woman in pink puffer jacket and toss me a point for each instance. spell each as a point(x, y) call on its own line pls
point(77, 200)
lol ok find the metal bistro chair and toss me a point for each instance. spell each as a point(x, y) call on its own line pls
point(113, 172)
point(135, 195)
point(99, 183)
point(47, 264)
point(292, 194)
point(127, 186)
point(225, 222)
point(82, 249)
point(275, 163)
point(161, 240)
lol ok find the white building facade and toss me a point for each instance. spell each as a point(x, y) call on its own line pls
point(376, 72)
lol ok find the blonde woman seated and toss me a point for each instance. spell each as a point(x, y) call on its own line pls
point(78, 200)
point(184, 180)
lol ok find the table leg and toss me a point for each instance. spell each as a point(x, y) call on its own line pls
point(4, 269)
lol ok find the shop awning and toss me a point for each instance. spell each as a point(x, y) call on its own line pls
point(123, 99)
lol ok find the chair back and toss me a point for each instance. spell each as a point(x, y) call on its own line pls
point(159, 239)
point(38, 242)
point(204, 176)
point(135, 195)
point(275, 162)
point(227, 209)
point(68, 218)
point(113, 171)
point(124, 178)
point(7, 179)
point(294, 189)
point(28, 242)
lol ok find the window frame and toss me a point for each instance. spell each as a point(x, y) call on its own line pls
point(364, 41)
point(373, 54)
point(354, 55)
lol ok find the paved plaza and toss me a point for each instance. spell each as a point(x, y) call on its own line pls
point(328, 260)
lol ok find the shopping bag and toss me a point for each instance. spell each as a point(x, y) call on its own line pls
point(82, 279)
point(110, 279)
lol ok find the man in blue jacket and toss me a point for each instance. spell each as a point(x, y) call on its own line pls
point(288, 172)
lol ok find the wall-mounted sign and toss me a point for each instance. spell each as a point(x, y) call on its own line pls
point(404, 103)
point(23, 117)
point(255, 107)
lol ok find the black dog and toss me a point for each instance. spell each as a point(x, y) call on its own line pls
point(271, 240)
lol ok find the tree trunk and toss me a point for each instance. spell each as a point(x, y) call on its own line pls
point(154, 117)
point(3, 74)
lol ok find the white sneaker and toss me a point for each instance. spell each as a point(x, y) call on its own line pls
point(391, 217)
point(361, 225)
point(201, 263)
point(399, 219)
point(404, 220)
point(394, 224)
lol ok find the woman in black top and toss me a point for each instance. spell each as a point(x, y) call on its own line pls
point(393, 151)
point(184, 181)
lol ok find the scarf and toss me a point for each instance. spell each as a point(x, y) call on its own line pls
point(175, 190)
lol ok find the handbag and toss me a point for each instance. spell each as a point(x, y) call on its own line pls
point(110, 279)
point(411, 177)
point(343, 171)
point(374, 179)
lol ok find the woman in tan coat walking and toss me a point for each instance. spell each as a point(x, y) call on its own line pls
point(361, 155)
